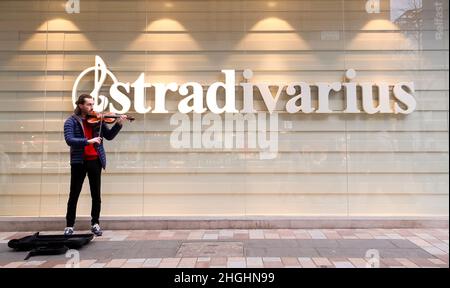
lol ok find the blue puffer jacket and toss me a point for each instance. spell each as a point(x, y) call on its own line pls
point(74, 136)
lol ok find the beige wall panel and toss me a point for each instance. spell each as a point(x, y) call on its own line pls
point(327, 165)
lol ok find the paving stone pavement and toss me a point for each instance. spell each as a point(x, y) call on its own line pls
point(254, 248)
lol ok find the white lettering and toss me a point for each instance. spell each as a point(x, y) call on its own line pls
point(193, 92)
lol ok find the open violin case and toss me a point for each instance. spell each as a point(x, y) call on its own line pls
point(49, 244)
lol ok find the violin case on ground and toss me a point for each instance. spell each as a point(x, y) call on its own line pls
point(49, 244)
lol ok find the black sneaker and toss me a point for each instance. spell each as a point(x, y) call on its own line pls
point(96, 230)
point(68, 231)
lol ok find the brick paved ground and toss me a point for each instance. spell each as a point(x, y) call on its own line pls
point(299, 248)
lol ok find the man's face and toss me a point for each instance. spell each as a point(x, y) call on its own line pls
point(87, 107)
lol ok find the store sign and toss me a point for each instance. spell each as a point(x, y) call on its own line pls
point(194, 101)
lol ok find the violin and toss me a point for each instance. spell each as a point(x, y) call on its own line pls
point(109, 118)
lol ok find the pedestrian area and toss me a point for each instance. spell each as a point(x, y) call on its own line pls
point(259, 248)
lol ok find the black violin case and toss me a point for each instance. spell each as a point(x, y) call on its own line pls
point(49, 244)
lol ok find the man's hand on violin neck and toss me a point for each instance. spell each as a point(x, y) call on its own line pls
point(121, 119)
point(97, 140)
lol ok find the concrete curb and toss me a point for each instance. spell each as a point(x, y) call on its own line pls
point(250, 222)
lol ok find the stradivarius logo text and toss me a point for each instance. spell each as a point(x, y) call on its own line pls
point(300, 93)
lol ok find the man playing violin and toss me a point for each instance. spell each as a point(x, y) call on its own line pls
point(87, 156)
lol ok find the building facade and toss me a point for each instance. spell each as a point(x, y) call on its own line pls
point(175, 164)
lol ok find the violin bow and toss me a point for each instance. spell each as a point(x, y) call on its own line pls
point(101, 118)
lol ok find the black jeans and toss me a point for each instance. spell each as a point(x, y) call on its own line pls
point(93, 168)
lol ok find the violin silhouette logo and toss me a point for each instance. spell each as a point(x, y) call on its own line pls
point(100, 74)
